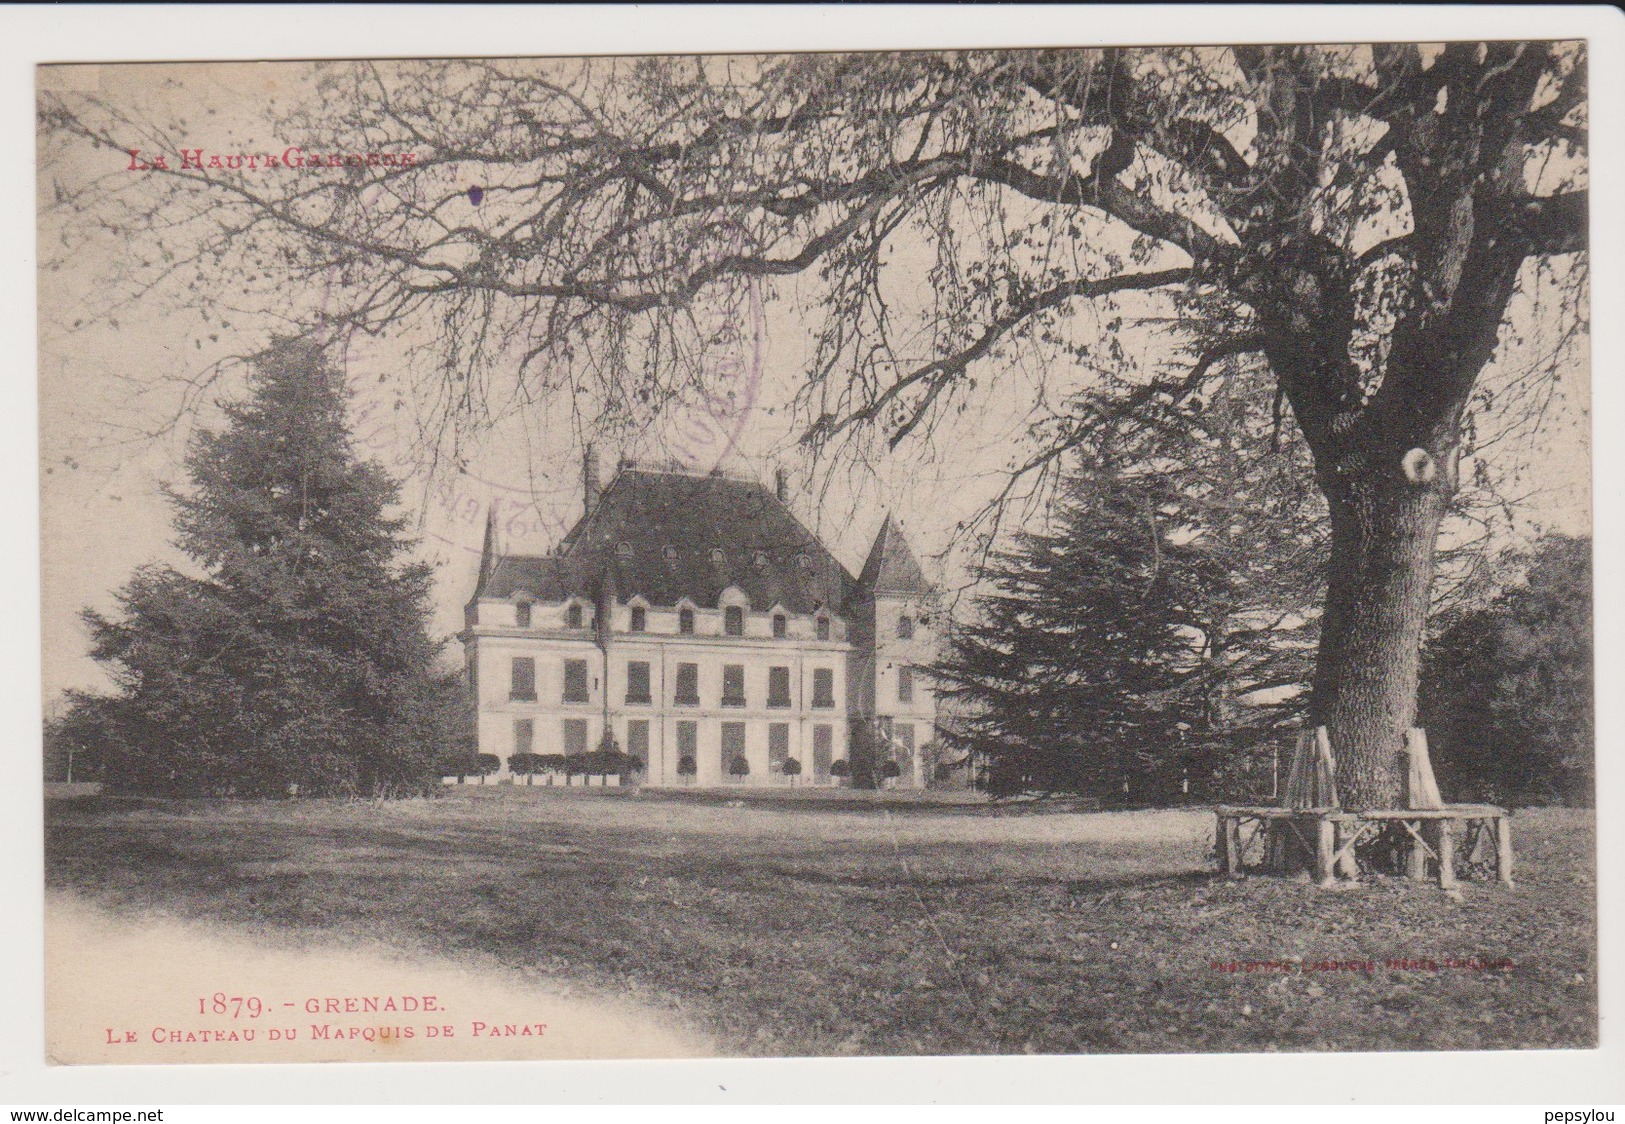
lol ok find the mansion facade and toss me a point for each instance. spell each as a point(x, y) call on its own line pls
point(694, 620)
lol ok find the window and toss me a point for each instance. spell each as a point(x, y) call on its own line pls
point(688, 684)
point(781, 626)
point(637, 739)
point(718, 558)
point(623, 550)
point(572, 617)
point(685, 621)
point(823, 628)
point(637, 681)
point(823, 751)
point(521, 614)
point(733, 684)
point(905, 627)
point(823, 687)
point(733, 744)
point(524, 735)
point(575, 736)
point(778, 745)
point(803, 561)
point(575, 680)
point(640, 618)
point(733, 620)
point(905, 684)
point(778, 686)
point(670, 553)
point(688, 740)
point(523, 687)
point(761, 560)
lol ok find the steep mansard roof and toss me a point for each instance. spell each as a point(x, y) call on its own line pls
point(765, 550)
point(891, 567)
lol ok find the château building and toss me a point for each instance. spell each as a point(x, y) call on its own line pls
point(694, 616)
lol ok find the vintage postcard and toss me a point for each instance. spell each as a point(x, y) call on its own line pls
point(1063, 551)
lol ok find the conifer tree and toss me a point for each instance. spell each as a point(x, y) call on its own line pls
point(1070, 678)
point(298, 654)
point(1162, 629)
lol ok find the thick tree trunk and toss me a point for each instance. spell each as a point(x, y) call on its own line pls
point(1384, 532)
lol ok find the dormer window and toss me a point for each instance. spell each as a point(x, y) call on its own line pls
point(803, 561)
point(521, 614)
point(640, 619)
point(685, 621)
point(761, 559)
point(623, 550)
point(670, 553)
point(905, 627)
point(718, 558)
point(823, 628)
point(781, 626)
point(572, 617)
point(733, 621)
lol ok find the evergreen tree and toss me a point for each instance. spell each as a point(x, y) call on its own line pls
point(1070, 679)
point(1171, 611)
point(300, 656)
point(1507, 687)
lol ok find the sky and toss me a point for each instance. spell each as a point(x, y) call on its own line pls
point(108, 387)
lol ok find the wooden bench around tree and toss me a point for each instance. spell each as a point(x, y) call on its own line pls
point(1326, 838)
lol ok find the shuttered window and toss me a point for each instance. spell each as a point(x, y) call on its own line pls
point(523, 686)
point(688, 684)
point(823, 687)
point(778, 686)
point(575, 680)
point(637, 682)
point(733, 684)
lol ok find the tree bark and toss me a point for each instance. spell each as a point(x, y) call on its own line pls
point(1384, 532)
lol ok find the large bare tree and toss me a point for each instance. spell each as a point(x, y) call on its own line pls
point(1360, 217)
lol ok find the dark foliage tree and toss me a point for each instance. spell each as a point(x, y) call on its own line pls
point(300, 656)
point(1507, 688)
point(1073, 677)
point(83, 739)
point(1198, 536)
point(1361, 217)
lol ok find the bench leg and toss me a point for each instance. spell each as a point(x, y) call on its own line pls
point(1416, 863)
point(1447, 854)
point(1325, 833)
point(1347, 865)
point(1503, 850)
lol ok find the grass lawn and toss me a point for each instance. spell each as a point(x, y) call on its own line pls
point(808, 930)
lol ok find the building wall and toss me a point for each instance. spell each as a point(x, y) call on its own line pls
point(494, 641)
point(892, 656)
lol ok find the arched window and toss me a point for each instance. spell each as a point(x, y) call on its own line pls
point(670, 552)
point(905, 627)
point(733, 621)
point(761, 559)
point(685, 621)
point(718, 557)
point(572, 617)
point(623, 550)
point(640, 618)
point(521, 614)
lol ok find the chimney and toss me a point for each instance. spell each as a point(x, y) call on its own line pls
point(781, 485)
point(589, 480)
